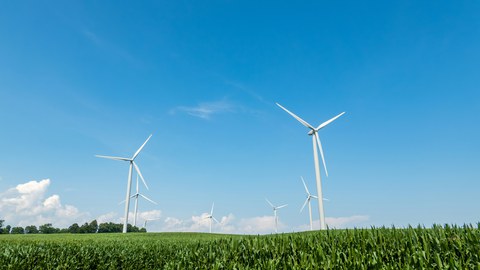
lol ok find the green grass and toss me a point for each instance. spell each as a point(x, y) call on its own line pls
point(377, 248)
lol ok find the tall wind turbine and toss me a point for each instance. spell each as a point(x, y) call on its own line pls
point(136, 195)
point(316, 144)
point(309, 197)
point(129, 182)
point(211, 217)
point(275, 208)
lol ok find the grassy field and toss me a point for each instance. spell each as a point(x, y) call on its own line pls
point(377, 248)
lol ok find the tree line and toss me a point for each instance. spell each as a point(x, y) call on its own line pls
point(92, 227)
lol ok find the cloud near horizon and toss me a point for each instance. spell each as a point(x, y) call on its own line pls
point(28, 204)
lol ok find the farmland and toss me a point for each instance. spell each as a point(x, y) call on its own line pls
point(440, 247)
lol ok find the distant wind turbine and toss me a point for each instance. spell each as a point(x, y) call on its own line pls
point(309, 197)
point(275, 208)
point(316, 144)
point(211, 217)
point(129, 182)
point(136, 195)
point(148, 219)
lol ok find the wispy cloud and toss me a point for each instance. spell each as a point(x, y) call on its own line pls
point(206, 110)
point(109, 47)
point(338, 222)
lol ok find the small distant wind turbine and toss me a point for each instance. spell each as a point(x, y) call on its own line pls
point(275, 208)
point(148, 219)
point(316, 144)
point(136, 195)
point(129, 183)
point(309, 197)
point(211, 217)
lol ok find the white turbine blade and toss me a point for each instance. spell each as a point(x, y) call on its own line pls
point(114, 158)
point(145, 197)
point(306, 201)
point(306, 189)
point(282, 206)
point(296, 117)
point(321, 152)
point(140, 174)
point(322, 125)
point(215, 220)
point(135, 195)
point(325, 199)
point(141, 147)
point(121, 202)
point(211, 212)
point(313, 196)
point(269, 203)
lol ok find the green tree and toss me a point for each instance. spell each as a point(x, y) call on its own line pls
point(74, 228)
point(31, 229)
point(1, 225)
point(93, 226)
point(47, 228)
point(17, 230)
point(110, 227)
point(7, 229)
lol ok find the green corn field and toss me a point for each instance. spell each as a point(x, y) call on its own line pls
point(439, 247)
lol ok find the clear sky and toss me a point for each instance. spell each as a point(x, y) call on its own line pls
point(79, 78)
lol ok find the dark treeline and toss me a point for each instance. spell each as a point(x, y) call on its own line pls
point(92, 227)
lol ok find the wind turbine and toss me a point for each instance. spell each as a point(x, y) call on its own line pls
point(275, 208)
point(129, 182)
point(211, 217)
point(148, 219)
point(309, 197)
point(137, 194)
point(316, 144)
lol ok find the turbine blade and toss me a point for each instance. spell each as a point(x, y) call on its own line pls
point(216, 220)
point(145, 197)
point(321, 152)
point(140, 174)
point(306, 201)
point(141, 147)
point(282, 206)
point(313, 196)
point(114, 158)
point(121, 202)
point(306, 189)
point(269, 203)
point(211, 212)
point(322, 125)
point(296, 117)
point(325, 199)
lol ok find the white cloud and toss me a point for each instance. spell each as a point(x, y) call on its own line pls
point(205, 110)
point(26, 205)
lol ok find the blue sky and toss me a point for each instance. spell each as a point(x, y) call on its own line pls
point(80, 78)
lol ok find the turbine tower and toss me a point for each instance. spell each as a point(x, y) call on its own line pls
point(275, 208)
point(211, 217)
point(309, 197)
point(129, 182)
point(316, 145)
point(136, 195)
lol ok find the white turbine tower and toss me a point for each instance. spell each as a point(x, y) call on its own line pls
point(148, 219)
point(275, 208)
point(211, 217)
point(136, 195)
point(129, 182)
point(309, 197)
point(316, 144)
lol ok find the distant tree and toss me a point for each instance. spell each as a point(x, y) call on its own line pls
point(131, 228)
point(93, 226)
point(143, 230)
point(74, 228)
point(110, 227)
point(17, 230)
point(47, 228)
point(7, 229)
point(1, 225)
point(31, 229)
point(63, 230)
